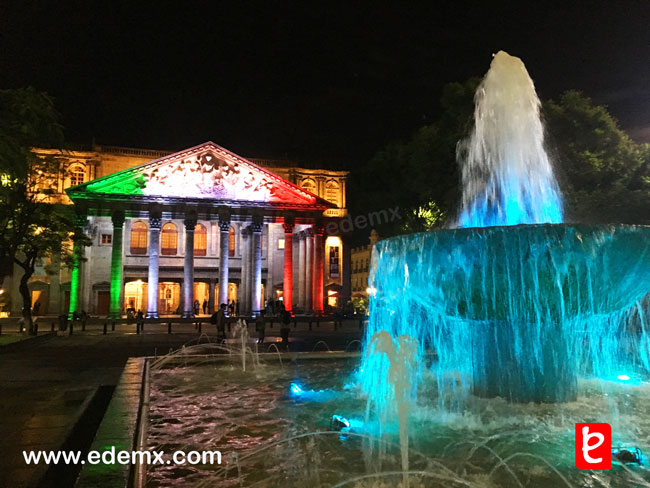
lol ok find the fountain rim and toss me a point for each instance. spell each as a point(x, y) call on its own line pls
point(514, 228)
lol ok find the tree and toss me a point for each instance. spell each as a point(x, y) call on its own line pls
point(601, 169)
point(34, 225)
point(419, 176)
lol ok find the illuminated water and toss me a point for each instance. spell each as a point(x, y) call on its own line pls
point(506, 174)
point(270, 437)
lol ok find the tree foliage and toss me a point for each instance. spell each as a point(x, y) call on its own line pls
point(34, 226)
point(604, 175)
point(419, 176)
point(602, 171)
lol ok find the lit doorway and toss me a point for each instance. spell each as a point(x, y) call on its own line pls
point(169, 298)
point(202, 294)
point(135, 296)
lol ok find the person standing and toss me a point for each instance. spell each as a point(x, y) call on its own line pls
point(205, 307)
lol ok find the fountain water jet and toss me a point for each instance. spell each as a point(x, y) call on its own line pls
point(517, 311)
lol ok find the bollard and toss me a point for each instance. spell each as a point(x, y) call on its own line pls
point(71, 327)
point(295, 323)
point(35, 328)
point(113, 327)
point(271, 326)
point(169, 328)
point(83, 325)
point(318, 322)
point(360, 324)
point(310, 321)
point(52, 329)
point(105, 327)
point(137, 327)
point(200, 327)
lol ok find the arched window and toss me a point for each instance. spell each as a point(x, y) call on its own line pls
point(231, 242)
point(309, 185)
point(139, 238)
point(332, 192)
point(77, 174)
point(200, 240)
point(169, 240)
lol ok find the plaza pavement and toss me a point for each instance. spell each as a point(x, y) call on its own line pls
point(44, 382)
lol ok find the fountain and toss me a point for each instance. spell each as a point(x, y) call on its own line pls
point(514, 303)
point(486, 343)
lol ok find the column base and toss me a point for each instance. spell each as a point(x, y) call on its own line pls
point(151, 315)
point(114, 316)
point(187, 315)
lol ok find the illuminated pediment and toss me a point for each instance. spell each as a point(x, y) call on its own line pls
point(207, 171)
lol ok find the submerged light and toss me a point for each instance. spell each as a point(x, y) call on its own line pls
point(339, 423)
point(627, 455)
point(295, 389)
point(623, 377)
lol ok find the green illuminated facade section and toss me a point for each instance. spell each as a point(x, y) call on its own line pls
point(115, 309)
point(74, 281)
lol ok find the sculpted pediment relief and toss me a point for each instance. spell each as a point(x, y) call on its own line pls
point(206, 171)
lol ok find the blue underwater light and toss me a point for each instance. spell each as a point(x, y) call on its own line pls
point(627, 455)
point(295, 389)
point(299, 393)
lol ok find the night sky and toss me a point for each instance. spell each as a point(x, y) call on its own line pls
point(321, 82)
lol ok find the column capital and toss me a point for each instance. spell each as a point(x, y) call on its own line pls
point(118, 218)
point(318, 229)
point(224, 225)
point(301, 235)
point(256, 226)
point(189, 224)
point(155, 220)
point(288, 227)
point(245, 232)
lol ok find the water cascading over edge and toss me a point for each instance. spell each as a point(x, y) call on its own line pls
point(517, 311)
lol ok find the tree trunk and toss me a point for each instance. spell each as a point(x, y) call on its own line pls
point(27, 302)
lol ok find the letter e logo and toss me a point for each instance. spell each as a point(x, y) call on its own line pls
point(594, 446)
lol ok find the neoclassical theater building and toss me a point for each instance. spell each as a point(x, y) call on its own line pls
point(200, 225)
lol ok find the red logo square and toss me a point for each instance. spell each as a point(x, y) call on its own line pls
point(594, 446)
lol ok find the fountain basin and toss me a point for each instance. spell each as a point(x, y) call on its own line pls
point(521, 311)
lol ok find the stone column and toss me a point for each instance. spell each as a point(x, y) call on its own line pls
point(212, 283)
point(318, 251)
point(155, 222)
point(256, 297)
point(188, 272)
point(309, 271)
point(243, 297)
point(302, 269)
point(115, 308)
point(224, 230)
point(77, 251)
point(287, 286)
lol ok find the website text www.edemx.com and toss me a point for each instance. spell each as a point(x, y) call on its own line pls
point(112, 456)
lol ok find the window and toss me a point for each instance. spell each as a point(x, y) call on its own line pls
point(139, 238)
point(200, 240)
point(231, 242)
point(77, 174)
point(169, 240)
point(106, 239)
point(280, 243)
point(332, 192)
point(309, 185)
